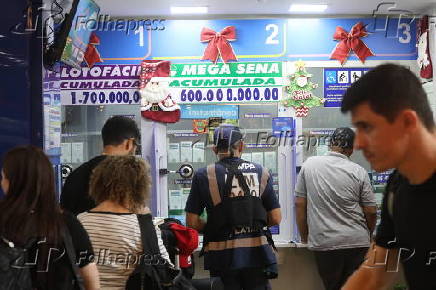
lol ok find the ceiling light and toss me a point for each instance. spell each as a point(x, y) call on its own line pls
point(188, 10)
point(308, 8)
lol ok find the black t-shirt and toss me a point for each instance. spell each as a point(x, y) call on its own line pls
point(49, 263)
point(408, 222)
point(75, 193)
point(200, 198)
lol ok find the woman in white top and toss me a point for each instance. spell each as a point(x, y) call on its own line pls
point(120, 185)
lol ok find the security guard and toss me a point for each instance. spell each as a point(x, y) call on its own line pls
point(240, 203)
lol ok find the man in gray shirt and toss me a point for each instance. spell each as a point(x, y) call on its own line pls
point(336, 210)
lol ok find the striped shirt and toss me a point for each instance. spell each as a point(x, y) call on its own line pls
point(116, 241)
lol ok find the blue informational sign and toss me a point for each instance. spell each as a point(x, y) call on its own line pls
point(275, 230)
point(283, 127)
point(256, 39)
point(208, 111)
point(322, 132)
point(119, 47)
point(52, 117)
point(381, 177)
point(337, 81)
point(183, 135)
point(257, 115)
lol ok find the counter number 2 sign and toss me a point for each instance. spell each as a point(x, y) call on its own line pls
point(272, 38)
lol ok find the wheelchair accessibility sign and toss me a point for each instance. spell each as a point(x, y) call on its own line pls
point(330, 77)
point(337, 81)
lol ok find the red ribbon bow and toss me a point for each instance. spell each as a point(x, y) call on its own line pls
point(92, 55)
point(218, 44)
point(350, 41)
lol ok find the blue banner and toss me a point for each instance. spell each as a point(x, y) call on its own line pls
point(208, 111)
point(312, 39)
point(337, 81)
point(256, 39)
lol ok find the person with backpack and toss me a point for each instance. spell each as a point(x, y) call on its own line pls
point(40, 245)
point(124, 238)
point(240, 203)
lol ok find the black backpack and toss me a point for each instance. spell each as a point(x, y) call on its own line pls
point(148, 274)
point(153, 272)
point(16, 275)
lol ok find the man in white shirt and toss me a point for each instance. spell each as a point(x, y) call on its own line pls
point(336, 210)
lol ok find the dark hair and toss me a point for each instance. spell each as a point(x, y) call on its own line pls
point(388, 89)
point(30, 207)
point(343, 138)
point(119, 128)
point(125, 180)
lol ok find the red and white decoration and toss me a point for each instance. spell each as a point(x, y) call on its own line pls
point(424, 60)
point(351, 41)
point(156, 101)
point(92, 55)
point(302, 111)
point(300, 95)
point(218, 44)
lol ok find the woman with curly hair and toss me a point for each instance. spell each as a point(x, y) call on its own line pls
point(120, 186)
point(30, 217)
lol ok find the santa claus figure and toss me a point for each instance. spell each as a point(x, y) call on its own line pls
point(156, 102)
point(424, 60)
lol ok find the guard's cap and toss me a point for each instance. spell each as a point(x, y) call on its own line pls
point(226, 135)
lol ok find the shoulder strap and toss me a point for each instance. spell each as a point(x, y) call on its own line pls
point(213, 184)
point(150, 245)
point(71, 253)
point(148, 234)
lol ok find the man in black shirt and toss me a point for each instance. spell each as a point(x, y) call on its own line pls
point(120, 137)
point(396, 129)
